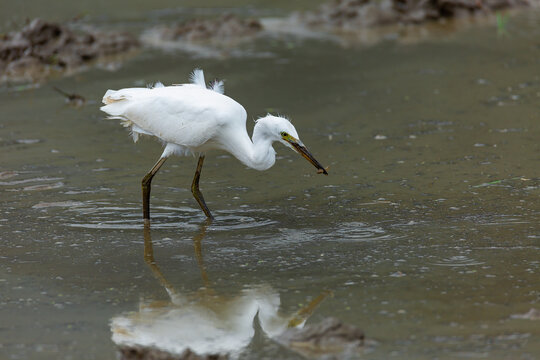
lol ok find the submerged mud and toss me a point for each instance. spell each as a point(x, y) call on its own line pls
point(42, 47)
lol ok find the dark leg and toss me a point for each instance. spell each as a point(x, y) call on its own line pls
point(304, 313)
point(195, 189)
point(149, 259)
point(146, 186)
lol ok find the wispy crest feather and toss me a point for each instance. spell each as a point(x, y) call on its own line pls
point(270, 114)
point(217, 86)
point(197, 78)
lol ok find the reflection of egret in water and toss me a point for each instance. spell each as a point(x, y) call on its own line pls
point(204, 322)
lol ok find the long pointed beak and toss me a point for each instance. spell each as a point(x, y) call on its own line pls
point(302, 150)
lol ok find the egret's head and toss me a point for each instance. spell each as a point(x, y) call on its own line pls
point(281, 129)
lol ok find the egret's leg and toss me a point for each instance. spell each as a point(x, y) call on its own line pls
point(149, 259)
point(146, 186)
point(304, 313)
point(195, 189)
point(197, 243)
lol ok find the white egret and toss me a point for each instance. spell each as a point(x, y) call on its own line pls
point(192, 119)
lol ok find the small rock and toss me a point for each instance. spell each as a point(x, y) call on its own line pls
point(27, 141)
point(398, 274)
point(532, 314)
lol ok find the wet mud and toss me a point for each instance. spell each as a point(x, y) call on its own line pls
point(217, 37)
point(225, 27)
point(350, 15)
point(42, 47)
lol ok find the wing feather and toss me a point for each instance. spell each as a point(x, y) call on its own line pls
point(188, 115)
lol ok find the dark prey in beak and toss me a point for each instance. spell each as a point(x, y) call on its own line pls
point(302, 150)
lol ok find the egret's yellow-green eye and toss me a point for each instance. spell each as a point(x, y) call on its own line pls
point(284, 134)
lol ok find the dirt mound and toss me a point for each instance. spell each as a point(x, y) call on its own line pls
point(42, 46)
point(225, 27)
point(354, 14)
point(216, 37)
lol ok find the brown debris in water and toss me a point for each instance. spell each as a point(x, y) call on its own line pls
point(7, 174)
point(353, 14)
point(72, 99)
point(225, 27)
point(41, 45)
point(145, 353)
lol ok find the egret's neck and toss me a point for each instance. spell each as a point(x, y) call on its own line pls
point(256, 153)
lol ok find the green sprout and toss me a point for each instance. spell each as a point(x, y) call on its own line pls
point(502, 21)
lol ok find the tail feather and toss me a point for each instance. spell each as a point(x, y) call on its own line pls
point(116, 101)
point(112, 96)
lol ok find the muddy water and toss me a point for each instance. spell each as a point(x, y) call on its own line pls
point(426, 230)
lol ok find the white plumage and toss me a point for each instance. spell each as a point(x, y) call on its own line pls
point(192, 119)
point(189, 117)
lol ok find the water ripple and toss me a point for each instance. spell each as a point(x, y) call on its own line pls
point(358, 231)
point(497, 220)
point(98, 215)
point(458, 260)
point(346, 232)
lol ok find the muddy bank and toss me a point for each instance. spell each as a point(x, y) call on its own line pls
point(205, 37)
point(351, 15)
point(225, 27)
point(343, 21)
point(41, 48)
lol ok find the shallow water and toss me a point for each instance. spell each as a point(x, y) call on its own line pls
point(425, 232)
